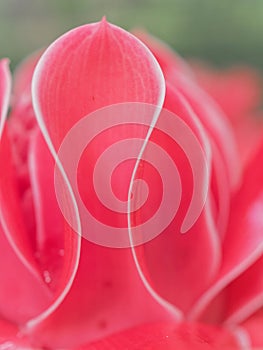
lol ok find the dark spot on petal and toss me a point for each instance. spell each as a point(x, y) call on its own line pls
point(107, 284)
point(102, 324)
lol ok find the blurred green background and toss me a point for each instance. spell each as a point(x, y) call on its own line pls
point(222, 32)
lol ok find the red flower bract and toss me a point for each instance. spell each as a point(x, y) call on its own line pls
point(199, 290)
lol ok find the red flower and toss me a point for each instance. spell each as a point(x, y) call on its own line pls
point(151, 138)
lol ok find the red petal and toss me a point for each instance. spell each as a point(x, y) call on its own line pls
point(90, 67)
point(11, 214)
point(57, 245)
point(22, 120)
point(22, 81)
point(237, 90)
point(244, 237)
point(171, 263)
point(166, 336)
point(216, 125)
point(10, 337)
point(7, 331)
point(23, 293)
point(106, 296)
point(168, 59)
point(21, 124)
point(248, 132)
point(243, 296)
point(225, 158)
point(253, 327)
point(239, 299)
point(49, 219)
point(56, 249)
point(243, 243)
point(23, 297)
point(214, 122)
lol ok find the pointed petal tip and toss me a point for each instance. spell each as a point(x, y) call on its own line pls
point(103, 25)
point(5, 61)
point(4, 65)
point(104, 19)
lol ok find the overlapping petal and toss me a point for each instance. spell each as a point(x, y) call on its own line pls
point(238, 93)
point(172, 261)
point(237, 90)
point(237, 305)
point(23, 292)
point(106, 296)
point(107, 293)
point(17, 257)
point(57, 245)
point(71, 291)
point(10, 338)
point(225, 165)
point(22, 81)
point(243, 242)
point(253, 326)
point(21, 126)
point(62, 96)
point(215, 123)
point(160, 336)
point(50, 252)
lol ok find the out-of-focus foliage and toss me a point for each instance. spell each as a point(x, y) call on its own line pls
point(222, 31)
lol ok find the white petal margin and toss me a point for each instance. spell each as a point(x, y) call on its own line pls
point(5, 91)
point(173, 311)
point(5, 95)
point(170, 308)
point(242, 338)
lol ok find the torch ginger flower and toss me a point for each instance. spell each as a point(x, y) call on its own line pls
point(196, 284)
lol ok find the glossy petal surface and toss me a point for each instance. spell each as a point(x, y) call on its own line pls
point(166, 336)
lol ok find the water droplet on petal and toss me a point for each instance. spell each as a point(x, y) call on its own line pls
point(47, 277)
point(61, 252)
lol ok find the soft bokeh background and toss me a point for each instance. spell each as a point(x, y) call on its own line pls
point(220, 31)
